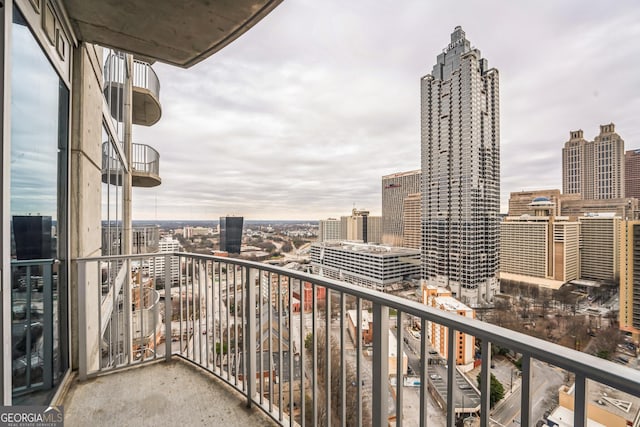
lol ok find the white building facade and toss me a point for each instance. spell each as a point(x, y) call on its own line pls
point(371, 266)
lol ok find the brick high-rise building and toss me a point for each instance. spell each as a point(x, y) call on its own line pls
point(630, 278)
point(632, 174)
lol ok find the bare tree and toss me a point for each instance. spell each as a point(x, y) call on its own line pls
point(335, 391)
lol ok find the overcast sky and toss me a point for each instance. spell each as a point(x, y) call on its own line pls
point(301, 116)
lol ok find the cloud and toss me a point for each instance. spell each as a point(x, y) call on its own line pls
point(300, 117)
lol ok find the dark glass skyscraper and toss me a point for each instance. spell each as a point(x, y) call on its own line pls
point(460, 138)
point(231, 233)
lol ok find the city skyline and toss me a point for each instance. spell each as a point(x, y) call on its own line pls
point(303, 120)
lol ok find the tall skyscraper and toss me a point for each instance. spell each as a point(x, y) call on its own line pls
point(231, 233)
point(594, 169)
point(460, 133)
point(632, 174)
point(395, 188)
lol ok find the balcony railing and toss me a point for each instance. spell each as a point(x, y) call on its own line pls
point(145, 77)
point(34, 341)
point(280, 338)
point(145, 162)
point(146, 90)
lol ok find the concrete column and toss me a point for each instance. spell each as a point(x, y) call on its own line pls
point(85, 177)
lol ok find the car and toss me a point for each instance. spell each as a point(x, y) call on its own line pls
point(464, 386)
point(435, 377)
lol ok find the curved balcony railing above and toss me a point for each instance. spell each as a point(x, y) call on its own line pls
point(145, 166)
point(146, 108)
point(146, 94)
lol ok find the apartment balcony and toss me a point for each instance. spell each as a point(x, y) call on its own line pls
point(146, 108)
point(145, 166)
point(231, 335)
point(145, 170)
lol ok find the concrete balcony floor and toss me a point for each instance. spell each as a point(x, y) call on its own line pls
point(159, 394)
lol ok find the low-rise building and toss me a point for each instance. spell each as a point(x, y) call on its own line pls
point(367, 326)
point(367, 265)
point(605, 407)
point(438, 334)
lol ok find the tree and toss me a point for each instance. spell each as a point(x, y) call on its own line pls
point(605, 343)
point(335, 389)
point(496, 390)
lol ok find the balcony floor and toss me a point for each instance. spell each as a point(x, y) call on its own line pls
point(173, 393)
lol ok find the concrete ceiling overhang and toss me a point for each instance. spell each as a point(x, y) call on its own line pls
point(177, 32)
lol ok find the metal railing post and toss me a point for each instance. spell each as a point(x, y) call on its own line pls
point(250, 336)
point(168, 309)
point(579, 395)
point(380, 368)
point(485, 383)
point(451, 377)
point(525, 391)
point(399, 369)
point(82, 320)
point(424, 395)
point(47, 373)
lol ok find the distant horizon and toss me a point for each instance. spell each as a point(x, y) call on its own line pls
point(208, 221)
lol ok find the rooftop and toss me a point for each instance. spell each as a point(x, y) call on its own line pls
point(367, 248)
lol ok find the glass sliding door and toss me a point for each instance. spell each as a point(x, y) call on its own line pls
point(38, 209)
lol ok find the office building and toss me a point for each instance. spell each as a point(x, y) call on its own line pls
point(330, 229)
point(519, 201)
point(594, 169)
point(599, 248)
point(157, 267)
point(371, 266)
point(630, 278)
point(460, 138)
point(438, 335)
point(411, 233)
point(632, 174)
point(395, 189)
point(190, 232)
point(231, 233)
point(539, 249)
point(361, 227)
